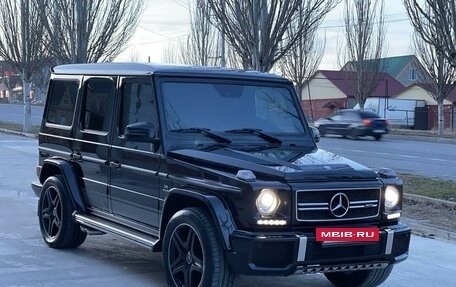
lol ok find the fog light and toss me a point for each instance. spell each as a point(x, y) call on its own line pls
point(271, 222)
point(392, 196)
point(267, 202)
point(393, 215)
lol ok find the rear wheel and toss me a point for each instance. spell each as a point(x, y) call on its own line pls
point(192, 254)
point(363, 278)
point(377, 137)
point(55, 213)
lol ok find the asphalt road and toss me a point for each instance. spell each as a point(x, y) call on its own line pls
point(405, 156)
point(14, 113)
point(109, 261)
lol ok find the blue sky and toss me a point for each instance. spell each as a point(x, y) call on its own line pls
point(166, 21)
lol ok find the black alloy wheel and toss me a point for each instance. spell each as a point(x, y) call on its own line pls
point(55, 213)
point(186, 256)
point(192, 253)
point(51, 213)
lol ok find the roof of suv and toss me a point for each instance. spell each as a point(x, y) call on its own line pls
point(163, 69)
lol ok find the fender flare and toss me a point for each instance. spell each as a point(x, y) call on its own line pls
point(218, 211)
point(67, 170)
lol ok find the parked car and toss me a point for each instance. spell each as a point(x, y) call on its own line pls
point(215, 168)
point(353, 124)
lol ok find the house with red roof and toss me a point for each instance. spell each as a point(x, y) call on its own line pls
point(328, 91)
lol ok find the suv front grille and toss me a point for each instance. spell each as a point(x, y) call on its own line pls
point(314, 205)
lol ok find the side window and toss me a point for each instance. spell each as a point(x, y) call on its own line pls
point(97, 104)
point(62, 100)
point(412, 74)
point(137, 104)
point(350, 116)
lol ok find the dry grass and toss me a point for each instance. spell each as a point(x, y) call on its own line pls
point(436, 188)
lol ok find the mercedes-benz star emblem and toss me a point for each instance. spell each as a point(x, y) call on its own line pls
point(339, 205)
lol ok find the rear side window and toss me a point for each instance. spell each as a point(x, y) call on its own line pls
point(97, 104)
point(62, 100)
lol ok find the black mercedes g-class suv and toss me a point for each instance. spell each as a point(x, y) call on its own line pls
point(217, 169)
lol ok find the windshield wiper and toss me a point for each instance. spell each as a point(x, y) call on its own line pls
point(257, 132)
point(206, 132)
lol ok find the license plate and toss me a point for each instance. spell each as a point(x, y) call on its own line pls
point(379, 131)
point(346, 234)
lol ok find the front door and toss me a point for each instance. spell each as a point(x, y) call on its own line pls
point(134, 165)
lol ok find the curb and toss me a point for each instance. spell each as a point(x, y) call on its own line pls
point(29, 135)
point(428, 231)
point(422, 138)
point(425, 199)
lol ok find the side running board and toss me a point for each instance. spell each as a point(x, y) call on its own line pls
point(116, 229)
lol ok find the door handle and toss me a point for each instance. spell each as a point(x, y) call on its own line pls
point(114, 164)
point(76, 156)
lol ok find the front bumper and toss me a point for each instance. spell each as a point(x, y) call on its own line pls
point(285, 253)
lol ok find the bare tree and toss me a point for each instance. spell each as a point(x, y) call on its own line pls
point(134, 55)
point(86, 31)
point(233, 60)
point(201, 46)
point(257, 29)
point(365, 37)
point(302, 61)
point(40, 81)
point(435, 22)
point(170, 54)
point(21, 35)
point(438, 76)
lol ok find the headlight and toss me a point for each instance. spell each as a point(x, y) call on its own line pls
point(267, 202)
point(392, 196)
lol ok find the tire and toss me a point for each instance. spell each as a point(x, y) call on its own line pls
point(192, 253)
point(55, 213)
point(322, 132)
point(378, 137)
point(364, 278)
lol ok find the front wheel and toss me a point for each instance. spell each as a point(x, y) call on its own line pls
point(363, 278)
point(192, 254)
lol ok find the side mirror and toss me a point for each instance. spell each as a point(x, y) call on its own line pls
point(315, 133)
point(140, 132)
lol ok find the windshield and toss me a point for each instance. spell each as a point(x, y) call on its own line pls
point(223, 107)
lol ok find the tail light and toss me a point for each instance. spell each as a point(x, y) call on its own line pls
point(367, 122)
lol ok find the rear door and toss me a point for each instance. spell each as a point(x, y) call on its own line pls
point(91, 147)
point(334, 124)
point(134, 189)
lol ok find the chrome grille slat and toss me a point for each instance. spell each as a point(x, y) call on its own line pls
point(313, 208)
point(313, 205)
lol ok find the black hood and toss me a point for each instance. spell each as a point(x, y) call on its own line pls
point(284, 165)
